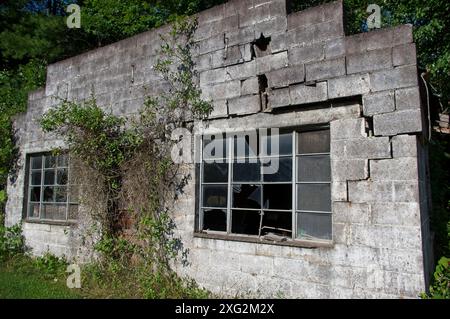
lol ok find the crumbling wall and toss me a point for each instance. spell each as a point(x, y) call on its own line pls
point(262, 68)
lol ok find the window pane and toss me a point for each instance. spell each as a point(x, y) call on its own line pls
point(33, 210)
point(61, 177)
point(73, 211)
point(62, 160)
point(60, 194)
point(314, 197)
point(54, 211)
point(314, 226)
point(280, 144)
point(214, 195)
point(278, 170)
point(215, 172)
point(245, 222)
point(315, 168)
point(277, 196)
point(247, 172)
point(36, 178)
point(49, 194)
point(214, 147)
point(279, 223)
point(215, 219)
point(246, 196)
point(50, 161)
point(49, 177)
point(35, 194)
point(36, 162)
point(246, 145)
point(314, 142)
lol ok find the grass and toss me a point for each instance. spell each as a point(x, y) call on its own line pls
point(21, 279)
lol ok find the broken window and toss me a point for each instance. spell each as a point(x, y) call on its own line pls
point(273, 185)
point(50, 194)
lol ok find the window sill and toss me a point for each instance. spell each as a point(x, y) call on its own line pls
point(256, 240)
point(50, 222)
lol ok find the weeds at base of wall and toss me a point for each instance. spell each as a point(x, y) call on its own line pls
point(128, 180)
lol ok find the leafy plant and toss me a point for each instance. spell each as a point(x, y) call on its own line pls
point(11, 241)
point(51, 265)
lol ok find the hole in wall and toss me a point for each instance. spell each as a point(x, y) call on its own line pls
point(263, 92)
point(259, 47)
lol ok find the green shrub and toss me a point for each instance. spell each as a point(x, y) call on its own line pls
point(51, 265)
point(441, 286)
point(11, 241)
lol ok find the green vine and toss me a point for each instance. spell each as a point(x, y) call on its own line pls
point(130, 161)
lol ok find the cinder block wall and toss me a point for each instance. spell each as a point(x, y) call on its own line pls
point(366, 86)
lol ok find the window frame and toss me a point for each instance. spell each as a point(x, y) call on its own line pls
point(29, 185)
point(230, 158)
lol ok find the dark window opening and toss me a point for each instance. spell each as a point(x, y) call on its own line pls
point(50, 193)
point(273, 185)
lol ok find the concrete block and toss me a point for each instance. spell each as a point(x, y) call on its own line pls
point(408, 98)
point(303, 94)
point(210, 77)
point(306, 17)
point(404, 146)
point(396, 214)
point(397, 169)
point(351, 213)
point(240, 36)
point(250, 86)
point(334, 48)
point(402, 34)
point(386, 237)
point(339, 191)
point(241, 71)
point(363, 148)
point(222, 91)
point(369, 61)
point(344, 129)
point(315, 33)
point(216, 27)
point(348, 86)
point(232, 55)
point(220, 109)
point(286, 76)
point(278, 43)
point(325, 69)
point(271, 62)
point(270, 27)
point(304, 54)
point(377, 103)
point(382, 191)
point(346, 170)
point(408, 121)
point(279, 98)
point(400, 77)
point(251, 14)
point(211, 44)
point(404, 54)
point(244, 105)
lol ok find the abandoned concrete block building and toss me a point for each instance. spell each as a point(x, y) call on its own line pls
point(350, 199)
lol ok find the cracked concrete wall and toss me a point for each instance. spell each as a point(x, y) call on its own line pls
point(365, 85)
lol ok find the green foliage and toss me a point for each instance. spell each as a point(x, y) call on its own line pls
point(51, 265)
point(11, 241)
point(441, 286)
point(101, 139)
